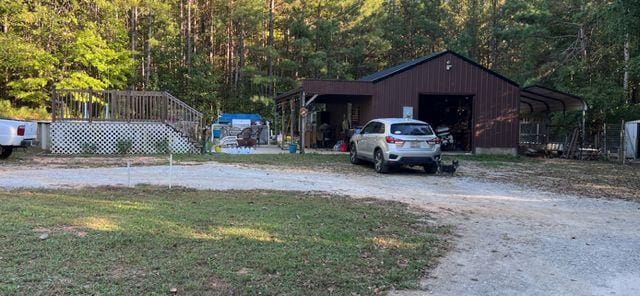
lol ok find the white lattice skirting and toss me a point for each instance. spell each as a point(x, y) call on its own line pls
point(74, 137)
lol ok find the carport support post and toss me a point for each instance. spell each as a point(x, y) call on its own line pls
point(292, 104)
point(303, 120)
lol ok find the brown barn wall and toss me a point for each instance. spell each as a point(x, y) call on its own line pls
point(495, 102)
point(339, 87)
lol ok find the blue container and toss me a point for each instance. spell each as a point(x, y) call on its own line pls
point(293, 148)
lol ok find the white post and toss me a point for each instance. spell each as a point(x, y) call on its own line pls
point(129, 173)
point(303, 121)
point(170, 170)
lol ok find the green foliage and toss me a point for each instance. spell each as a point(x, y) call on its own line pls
point(22, 113)
point(124, 146)
point(47, 44)
point(111, 68)
point(226, 63)
point(89, 148)
point(28, 69)
point(163, 146)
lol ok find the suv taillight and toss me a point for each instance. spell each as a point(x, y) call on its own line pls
point(434, 141)
point(392, 140)
point(21, 130)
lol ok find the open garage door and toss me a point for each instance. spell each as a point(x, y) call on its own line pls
point(451, 116)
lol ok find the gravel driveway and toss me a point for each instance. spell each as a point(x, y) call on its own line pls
point(512, 241)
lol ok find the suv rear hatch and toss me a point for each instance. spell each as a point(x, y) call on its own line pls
point(412, 136)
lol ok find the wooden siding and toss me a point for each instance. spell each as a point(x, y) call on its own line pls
point(495, 100)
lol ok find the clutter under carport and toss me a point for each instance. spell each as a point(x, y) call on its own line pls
point(539, 137)
point(239, 130)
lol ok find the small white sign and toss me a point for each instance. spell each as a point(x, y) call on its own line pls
point(407, 112)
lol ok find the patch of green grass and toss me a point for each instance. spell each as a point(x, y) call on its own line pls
point(146, 240)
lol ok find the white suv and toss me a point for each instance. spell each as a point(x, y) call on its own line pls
point(396, 141)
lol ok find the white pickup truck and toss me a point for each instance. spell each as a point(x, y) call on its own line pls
point(14, 134)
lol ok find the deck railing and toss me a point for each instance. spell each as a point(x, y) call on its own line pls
point(126, 106)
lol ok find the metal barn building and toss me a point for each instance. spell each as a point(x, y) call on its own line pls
point(478, 107)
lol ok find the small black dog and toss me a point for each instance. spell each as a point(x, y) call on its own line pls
point(448, 168)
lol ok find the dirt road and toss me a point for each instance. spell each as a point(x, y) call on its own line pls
point(510, 240)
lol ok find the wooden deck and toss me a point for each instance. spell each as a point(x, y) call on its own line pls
point(126, 106)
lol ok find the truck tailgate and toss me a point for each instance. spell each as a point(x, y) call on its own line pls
point(31, 130)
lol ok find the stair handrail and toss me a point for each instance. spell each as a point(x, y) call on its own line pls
point(182, 104)
point(192, 131)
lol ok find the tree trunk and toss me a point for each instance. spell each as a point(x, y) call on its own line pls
point(317, 31)
point(147, 77)
point(472, 29)
point(583, 43)
point(271, 88)
point(241, 57)
point(133, 23)
point(229, 54)
point(189, 37)
point(625, 81)
point(211, 36)
point(494, 33)
point(5, 25)
point(182, 34)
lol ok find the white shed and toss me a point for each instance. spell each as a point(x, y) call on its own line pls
point(631, 137)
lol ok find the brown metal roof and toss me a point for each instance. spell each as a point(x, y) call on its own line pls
point(363, 86)
point(537, 98)
point(386, 73)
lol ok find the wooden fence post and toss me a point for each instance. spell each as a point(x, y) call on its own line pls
point(90, 104)
point(54, 109)
point(604, 144)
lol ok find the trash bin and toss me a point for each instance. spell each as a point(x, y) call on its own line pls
point(293, 148)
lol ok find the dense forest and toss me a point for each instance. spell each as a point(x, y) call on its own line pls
point(234, 55)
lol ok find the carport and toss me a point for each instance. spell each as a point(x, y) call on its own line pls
point(333, 110)
point(537, 104)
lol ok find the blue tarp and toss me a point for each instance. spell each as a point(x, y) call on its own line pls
point(226, 118)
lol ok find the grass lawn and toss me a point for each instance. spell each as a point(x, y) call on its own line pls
point(147, 240)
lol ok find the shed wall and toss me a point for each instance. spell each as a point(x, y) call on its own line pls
point(495, 101)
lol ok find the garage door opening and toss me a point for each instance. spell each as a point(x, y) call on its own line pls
point(451, 117)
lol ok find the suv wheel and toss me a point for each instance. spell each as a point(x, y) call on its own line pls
point(430, 168)
point(353, 154)
point(378, 162)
